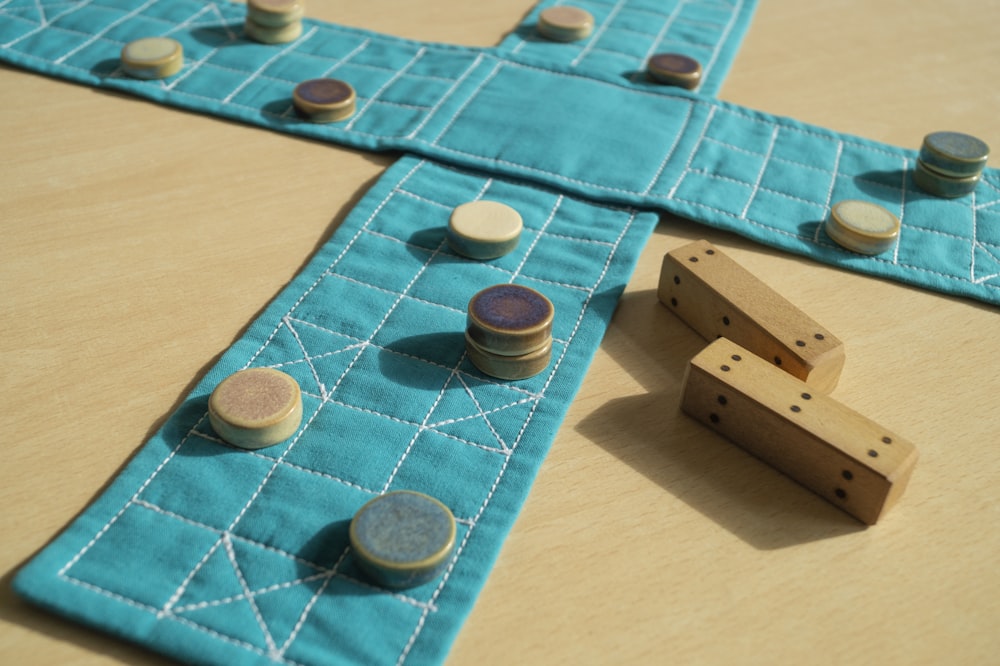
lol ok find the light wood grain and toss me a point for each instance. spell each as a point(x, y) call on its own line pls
point(717, 297)
point(125, 270)
point(838, 453)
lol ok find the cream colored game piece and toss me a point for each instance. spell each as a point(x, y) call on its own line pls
point(271, 34)
point(255, 408)
point(862, 227)
point(275, 13)
point(325, 100)
point(152, 58)
point(484, 229)
point(565, 24)
point(719, 298)
point(837, 453)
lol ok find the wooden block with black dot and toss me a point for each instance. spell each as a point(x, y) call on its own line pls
point(829, 448)
point(719, 298)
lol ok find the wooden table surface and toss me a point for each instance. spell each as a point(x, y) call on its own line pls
point(139, 241)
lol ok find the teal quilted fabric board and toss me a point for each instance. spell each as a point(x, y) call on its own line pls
point(216, 555)
point(766, 177)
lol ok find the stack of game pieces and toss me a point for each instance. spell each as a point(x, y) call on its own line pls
point(950, 164)
point(274, 21)
point(509, 332)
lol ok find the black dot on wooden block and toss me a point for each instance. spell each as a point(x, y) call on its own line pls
point(777, 360)
point(800, 343)
point(796, 408)
point(714, 418)
point(673, 302)
point(722, 400)
point(807, 396)
point(820, 336)
point(693, 260)
point(736, 357)
point(873, 453)
point(841, 493)
point(725, 320)
point(847, 474)
point(677, 279)
point(887, 440)
point(724, 368)
point(709, 251)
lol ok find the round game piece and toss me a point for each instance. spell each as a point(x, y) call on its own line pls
point(940, 185)
point(152, 58)
point(510, 320)
point(862, 227)
point(324, 100)
point(509, 367)
point(954, 154)
point(255, 408)
point(275, 13)
point(403, 538)
point(484, 229)
point(565, 24)
point(674, 69)
point(272, 34)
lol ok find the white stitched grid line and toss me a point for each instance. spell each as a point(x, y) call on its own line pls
point(902, 210)
point(260, 70)
point(688, 111)
point(548, 221)
point(444, 98)
point(99, 35)
point(738, 10)
point(378, 93)
point(468, 101)
point(272, 649)
point(45, 24)
point(664, 29)
point(829, 192)
point(475, 521)
point(309, 606)
point(597, 36)
point(760, 174)
point(694, 151)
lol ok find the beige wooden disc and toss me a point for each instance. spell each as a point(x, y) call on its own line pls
point(152, 57)
point(862, 226)
point(272, 34)
point(255, 408)
point(484, 229)
point(275, 13)
point(564, 23)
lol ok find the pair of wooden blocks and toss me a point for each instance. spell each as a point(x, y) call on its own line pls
point(763, 381)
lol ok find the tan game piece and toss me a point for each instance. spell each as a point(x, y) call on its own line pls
point(152, 58)
point(862, 226)
point(484, 229)
point(837, 453)
point(275, 13)
point(563, 23)
point(325, 100)
point(272, 34)
point(717, 297)
point(255, 408)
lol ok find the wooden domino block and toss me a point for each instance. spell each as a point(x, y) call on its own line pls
point(837, 453)
point(719, 298)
